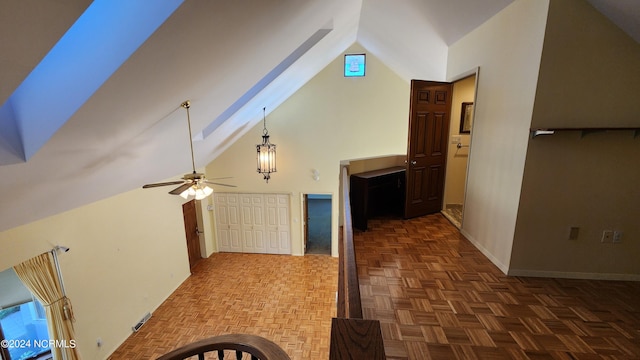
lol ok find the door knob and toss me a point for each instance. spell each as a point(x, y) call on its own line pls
point(413, 162)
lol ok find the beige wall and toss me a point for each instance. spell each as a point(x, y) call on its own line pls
point(589, 76)
point(330, 119)
point(128, 253)
point(463, 91)
point(589, 73)
point(507, 49)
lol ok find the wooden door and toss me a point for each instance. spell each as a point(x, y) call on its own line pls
point(192, 233)
point(429, 115)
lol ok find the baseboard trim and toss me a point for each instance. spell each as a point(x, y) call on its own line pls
point(574, 275)
point(453, 221)
point(504, 268)
point(548, 274)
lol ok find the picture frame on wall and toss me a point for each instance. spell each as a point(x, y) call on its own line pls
point(466, 118)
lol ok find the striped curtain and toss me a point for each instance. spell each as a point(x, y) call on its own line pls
point(40, 276)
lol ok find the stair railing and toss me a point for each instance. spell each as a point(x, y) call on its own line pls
point(258, 347)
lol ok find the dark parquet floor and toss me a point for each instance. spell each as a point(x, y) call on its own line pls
point(438, 297)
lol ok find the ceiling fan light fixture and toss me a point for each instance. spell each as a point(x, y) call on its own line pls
point(189, 192)
point(194, 184)
point(203, 192)
point(197, 191)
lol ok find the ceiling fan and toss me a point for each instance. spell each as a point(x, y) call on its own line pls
point(193, 184)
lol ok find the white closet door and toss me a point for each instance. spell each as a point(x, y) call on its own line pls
point(253, 223)
point(228, 222)
point(277, 224)
point(284, 227)
point(258, 228)
point(253, 230)
point(271, 212)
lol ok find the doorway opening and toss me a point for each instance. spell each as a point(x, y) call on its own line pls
point(317, 237)
point(462, 105)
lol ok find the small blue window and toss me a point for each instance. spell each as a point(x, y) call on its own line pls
point(354, 65)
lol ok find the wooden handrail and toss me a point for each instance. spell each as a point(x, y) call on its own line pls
point(352, 337)
point(349, 305)
point(356, 339)
point(258, 347)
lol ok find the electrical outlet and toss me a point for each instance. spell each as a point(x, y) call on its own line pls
point(607, 236)
point(573, 233)
point(617, 237)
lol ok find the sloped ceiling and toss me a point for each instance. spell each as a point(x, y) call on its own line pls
point(131, 129)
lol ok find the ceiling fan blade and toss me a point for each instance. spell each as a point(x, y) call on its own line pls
point(162, 184)
point(220, 178)
point(214, 183)
point(180, 189)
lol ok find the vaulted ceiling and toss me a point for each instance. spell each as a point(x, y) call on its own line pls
point(90, 91)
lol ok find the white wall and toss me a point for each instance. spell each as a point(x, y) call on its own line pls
point(127, 254)
point(507, 48)
point(331, 118)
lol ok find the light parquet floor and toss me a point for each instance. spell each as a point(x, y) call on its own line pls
point(438, 297)
point(289, 300)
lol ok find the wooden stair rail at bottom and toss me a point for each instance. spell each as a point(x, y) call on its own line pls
point(352, 337)
point(258, 347)
point(356, 339)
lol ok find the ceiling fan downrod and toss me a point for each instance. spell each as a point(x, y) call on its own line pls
point(187, 104)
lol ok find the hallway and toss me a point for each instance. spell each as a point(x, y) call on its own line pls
point(319, 224)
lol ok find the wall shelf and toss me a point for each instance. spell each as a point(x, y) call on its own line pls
point(535, 132)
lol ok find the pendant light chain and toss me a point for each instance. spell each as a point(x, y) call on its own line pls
point(264, 121)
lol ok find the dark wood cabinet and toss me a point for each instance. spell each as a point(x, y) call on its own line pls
point(375, 193)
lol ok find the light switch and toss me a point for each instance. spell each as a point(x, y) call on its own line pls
point(455, 139)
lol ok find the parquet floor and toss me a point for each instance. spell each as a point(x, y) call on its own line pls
point(289, 300)
point(438, 297)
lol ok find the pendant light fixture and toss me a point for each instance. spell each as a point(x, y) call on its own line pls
point(266, 151)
